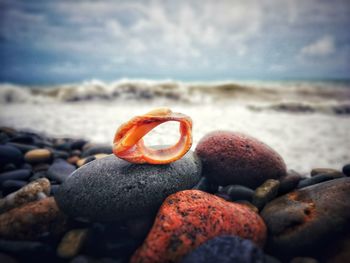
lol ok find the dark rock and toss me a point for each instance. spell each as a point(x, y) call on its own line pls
point(328, 171)
point(235, 158)
point(40, 167)
point(64, 146)
point(76, 153)
point(10, 186)
point(315, 180)
point(205, 185)
point(265, 192)
point(238, 192)
point(95, 149)
point(71, 243)
point(54, 188)
point(226, 249)
point(60, 170)
point(322, 209)
point(100, 188)
point(303, 260)
point(38, 175)
point(21, 174)
point(7, 258)
point(22, 147)
point(271, 259)
point(346, 170)
point(60, 154)
point(26, 139)
point(78, 144)
point(25, 248)
point(10, 154)
point(4, 138)
point(9, 167)
point(289, 183)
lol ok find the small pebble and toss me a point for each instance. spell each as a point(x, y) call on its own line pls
point(10, 186)
point(331, 172)
point(54, 188)
point(38, 156)
point(315, 180)
point(289, 183)
point(40, 167)
point(21, 174)
point(303, 260)
point(238, 192)
point(71, 243)
point(78, 144)
point(24, 248)
point(22, 147)
point(60, 170)
point(266, 192)
point(95, 149)
point(60, 154)
point(346, 170)
point(10, 154)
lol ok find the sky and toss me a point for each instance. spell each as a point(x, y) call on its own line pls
point(44, 42)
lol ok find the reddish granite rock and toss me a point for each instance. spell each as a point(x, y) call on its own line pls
point(189, 218)
point(236, 158)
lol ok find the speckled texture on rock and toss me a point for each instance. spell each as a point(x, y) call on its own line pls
point(308, 218)
point(189, 218)
point(236, 158)
point(111, 189)
point(226, 249)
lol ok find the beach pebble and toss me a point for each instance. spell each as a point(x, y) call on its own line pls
point(21, 174)
point(23, 138)
point(29, 193)
point(306, 220)
point(71, 243)
point(189, 218)
point(10, 154)
point(40, 167)
point(54, 188)
point(205, 185)
point(346, 170)
point(33, 220)
point(100, 188)
point(319, 178)
point(7, 258)
point(25, 249)
point(60, 170)
point(38, 156)
point(238, 192)
point(10, 186)
point(236, 158)
point(265, 192)
point(22, 147)
point(328, 171)
point(60, 154)
point(289, 182)
point(38, 175)
point(95, 149)
point(78, 144)
point(303, 260)
point(226, 249)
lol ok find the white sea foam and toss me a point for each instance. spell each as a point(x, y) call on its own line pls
point(296, 120)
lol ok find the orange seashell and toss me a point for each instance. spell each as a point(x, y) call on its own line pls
point(128, 143)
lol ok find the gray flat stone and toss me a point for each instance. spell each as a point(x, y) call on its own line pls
point(111, 189)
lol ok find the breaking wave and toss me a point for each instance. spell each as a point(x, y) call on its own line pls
point(301, 96)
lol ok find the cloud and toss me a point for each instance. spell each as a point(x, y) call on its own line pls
point(321, 47)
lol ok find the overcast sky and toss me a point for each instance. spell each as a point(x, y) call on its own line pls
point(70, 41)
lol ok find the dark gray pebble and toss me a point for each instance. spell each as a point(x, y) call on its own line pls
point(226, 249)
point(10, 186)
point(9, 167)
point(78, 144)
point(60, 154)
point(21, 174)
point(60, 170)
point(303, 260)
point(315, 180)
point(26, 139)
point(37, 175)
point(238, 192)
point(40, 167)
point(97, 149)
point(22, 147)
point(4, 138)
point(25, 248)
point(10, 154)
point(205, 185)
point(54, 188)
point(346, 169)
point(289, 183)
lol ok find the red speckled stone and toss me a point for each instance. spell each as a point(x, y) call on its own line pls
point(188, 218)
point(236, 158)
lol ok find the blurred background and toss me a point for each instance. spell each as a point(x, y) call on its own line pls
point(277, 70)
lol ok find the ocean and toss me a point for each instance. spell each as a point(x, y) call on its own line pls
point(307, 122)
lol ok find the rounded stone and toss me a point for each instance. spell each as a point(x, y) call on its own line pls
point(226, 249)
point(110, 188)
point(10, 154)
point(306, 220)
point(38, 156)
point(95, 149)
point(319, 178)
point(346, 169)
point(60, 170)
point(21, 174)
point(236, 158)
point(238, 192)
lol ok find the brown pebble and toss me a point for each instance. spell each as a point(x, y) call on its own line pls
point(33, 220)
point(38, 156)
point(328, 171)
point(71, 243)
